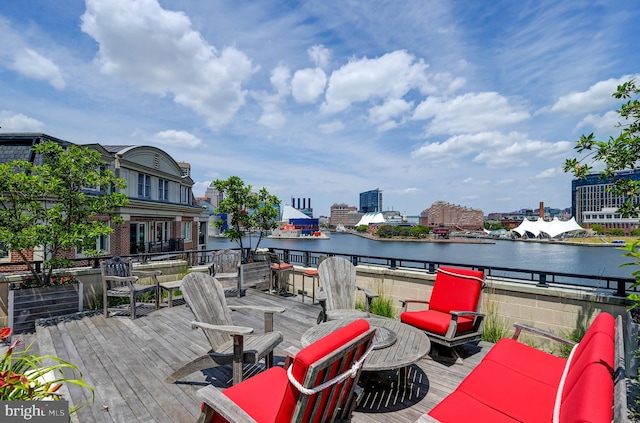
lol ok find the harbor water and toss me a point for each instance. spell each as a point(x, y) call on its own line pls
point(545, 256)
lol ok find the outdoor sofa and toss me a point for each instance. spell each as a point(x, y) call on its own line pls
point(518, 383)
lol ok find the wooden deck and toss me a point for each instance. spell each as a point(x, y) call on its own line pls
point(126, 362)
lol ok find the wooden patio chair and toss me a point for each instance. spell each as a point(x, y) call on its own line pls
point(452, 318)
point(316, 385)
point(229, 344)
point(120, 280)
point(337, 294)
point(224, 267)
point(280, 272)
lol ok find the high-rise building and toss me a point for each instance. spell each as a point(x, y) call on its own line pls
point(343, 214)
point(371, 201)
point(593, 203)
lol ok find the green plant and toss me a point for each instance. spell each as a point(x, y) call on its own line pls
point(53, 204)
point(495, 326)
point(25, 376)
point(380, 306)
point(245, 211)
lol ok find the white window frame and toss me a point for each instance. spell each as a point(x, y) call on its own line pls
point(186, 229)
point(163, 190)
point(144, 185)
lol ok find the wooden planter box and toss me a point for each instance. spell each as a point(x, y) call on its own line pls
point(30, 304)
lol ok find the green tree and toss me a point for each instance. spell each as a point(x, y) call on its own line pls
point(420, 231)
point(597, 228)
point(362, 228)
point(617, 154)
point(54, 205)
point(245, 210)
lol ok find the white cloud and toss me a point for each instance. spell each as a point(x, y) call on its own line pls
point(17, 122)
point(308, 84)
point(320, 55)
point(493, 149)
point(472, 112)
point(177, 139)
point(33, 65)
point(598, 96)
point(331, 127)
point(272, 115)
point(548, 173)
point(389, 110)
point(602, 124)
point(389, 76)
point(158, 51)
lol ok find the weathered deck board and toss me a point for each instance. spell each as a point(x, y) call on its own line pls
point(126, 361)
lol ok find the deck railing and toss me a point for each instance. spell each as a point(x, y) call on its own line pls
point(621, 286)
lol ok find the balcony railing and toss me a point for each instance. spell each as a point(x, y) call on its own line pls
point(620, 286)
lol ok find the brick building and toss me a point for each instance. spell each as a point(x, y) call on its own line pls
point(345, 215)
point(452, 216)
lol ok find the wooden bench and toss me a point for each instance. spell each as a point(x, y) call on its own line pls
point(255, 275)
point(516, 382)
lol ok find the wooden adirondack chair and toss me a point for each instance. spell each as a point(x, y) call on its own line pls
point(224, 267)
point(317, 385)
point(337, 295)
point(452, 318)
point(120, 280)
point(229, 344)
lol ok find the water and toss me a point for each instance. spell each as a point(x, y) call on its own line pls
point(554, 257)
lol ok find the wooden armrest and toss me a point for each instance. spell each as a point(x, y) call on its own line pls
point(466, 313)
point(289, 354)
point(521, 326)
point(231, 330)
point(121, 278)
point(258, 308)
point(216, 400)
point(405, 303)
point(370, 294)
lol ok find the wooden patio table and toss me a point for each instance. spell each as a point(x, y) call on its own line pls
point(396, 345)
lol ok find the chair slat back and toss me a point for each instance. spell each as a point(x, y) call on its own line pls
point(116, 266)
point(226, 261)
point(321, 362)
point(205, 297)
point(456, 289)
point(338, 280)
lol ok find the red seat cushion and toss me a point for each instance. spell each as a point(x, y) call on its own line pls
point(435, 321)
point(460, 407)
point(513, 393)
point(544, 367)
point(281, 266)
point(269, 397)
point(311, 272)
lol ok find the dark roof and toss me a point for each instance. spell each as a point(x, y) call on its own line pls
point(15, 146)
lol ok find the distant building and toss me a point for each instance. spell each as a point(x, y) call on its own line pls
point(452, 216)
point(593, 203)
point(344, 214)
point(371, 201)
point(162, 213)
point(303, 206)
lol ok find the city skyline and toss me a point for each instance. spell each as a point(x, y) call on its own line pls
point(469, 103)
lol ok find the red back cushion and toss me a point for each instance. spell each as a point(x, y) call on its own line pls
point(309, 355)
point(587, 394)
point(456, 289)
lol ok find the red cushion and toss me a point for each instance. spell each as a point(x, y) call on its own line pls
point(244, 394)
point(281, 266)
point(309, 355)
point(311, 272)
point(588, 389)
point(460, 407)
point(511, 392)
point(269, 397)
point(461, 293)
point(536, 364)
point(435, 321)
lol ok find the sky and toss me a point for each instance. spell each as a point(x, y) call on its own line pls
point(469, 102)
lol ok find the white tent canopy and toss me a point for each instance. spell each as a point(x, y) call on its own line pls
point(552, 229)
point(373, 217)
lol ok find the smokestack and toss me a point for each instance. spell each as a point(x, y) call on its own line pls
point(304, 203)
point(298, 203)
point(309, 202)
point(541, 213)
point(293, 202)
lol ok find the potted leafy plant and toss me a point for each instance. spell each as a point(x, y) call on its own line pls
point(25, 376)
point(246, 211)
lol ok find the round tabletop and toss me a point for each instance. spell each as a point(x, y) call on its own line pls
point(410, 344)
